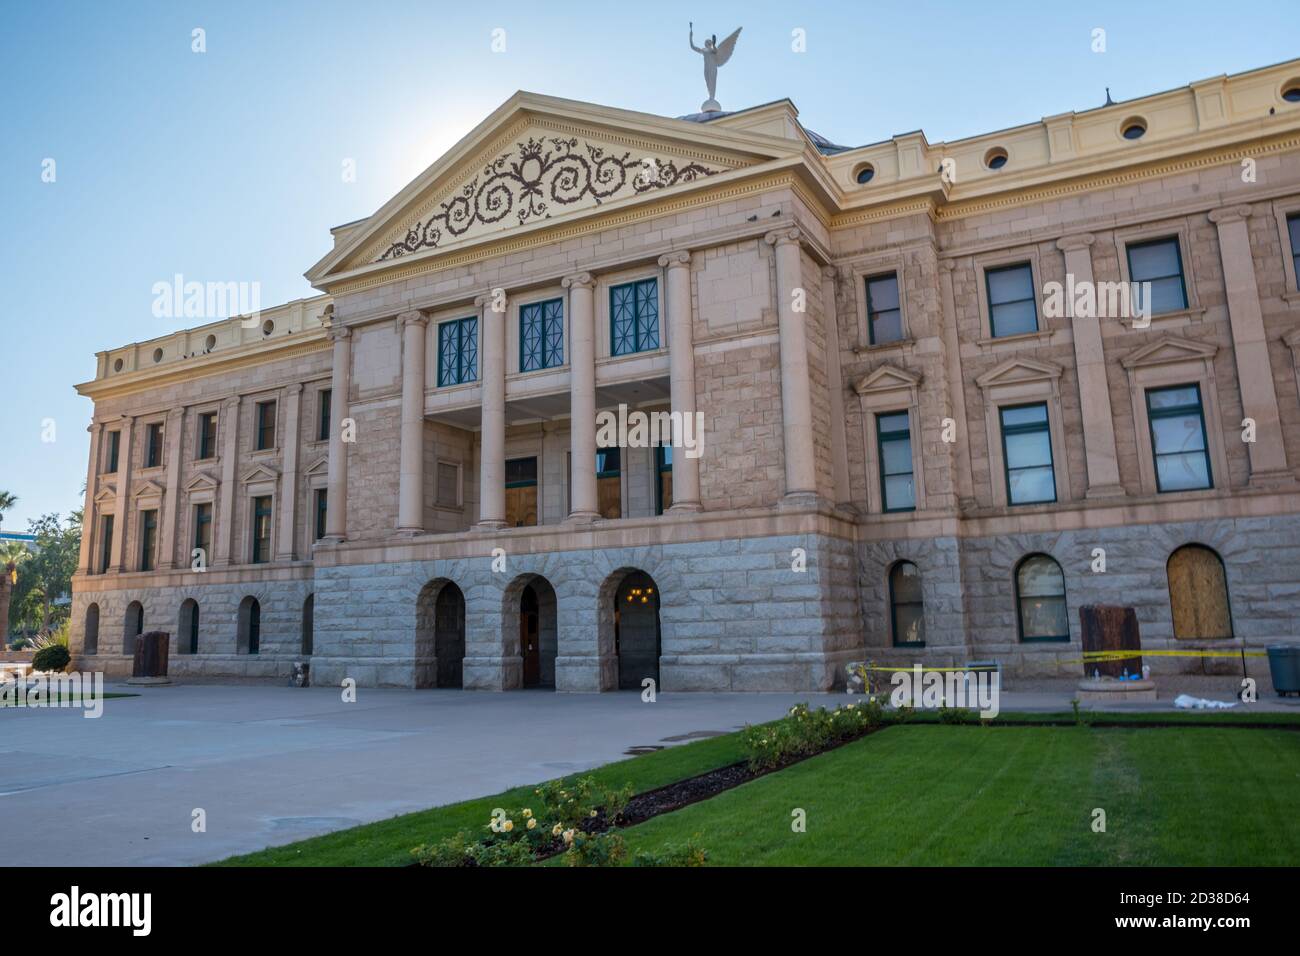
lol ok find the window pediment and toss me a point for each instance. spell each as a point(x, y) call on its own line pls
point(260, 473)
point(147, 489)
point(887, 378)
point(1166, 350)
point(1018, 371)
point(201, 482)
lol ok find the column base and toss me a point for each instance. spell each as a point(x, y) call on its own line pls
point(685, 507)
point(332, 539)
point(408, 532)
point(490, 525)
point(801, 499)
point(1273, 480)
point(1105, 491)
point(583, 517)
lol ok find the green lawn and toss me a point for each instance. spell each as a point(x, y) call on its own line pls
point(389, 842)
point(959, 796)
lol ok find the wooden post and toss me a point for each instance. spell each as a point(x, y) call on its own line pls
point(151, 654)
point(1107, 627)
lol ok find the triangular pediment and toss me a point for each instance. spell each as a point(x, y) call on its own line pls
point(537, 161)
point(260, 473)
point(886, 378)
point(147, 489)
point(1167, 349)
point(107, 494)
point(321, 466)
point(1016, 370)
point(201, 482)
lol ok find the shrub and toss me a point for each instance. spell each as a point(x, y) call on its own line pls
point(803, 732)
point(52, 658)
point(689, 853)
point(594, 849)
point(956, 715)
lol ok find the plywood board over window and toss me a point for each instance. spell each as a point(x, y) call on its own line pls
point(1198, 594)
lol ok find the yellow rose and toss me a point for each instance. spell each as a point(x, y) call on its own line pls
point(508, 826)
point(532, 823)
point(555, 830)
point(527, 813)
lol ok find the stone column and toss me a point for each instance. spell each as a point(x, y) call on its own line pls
point(492, 458)
point(410, 497)
point(288, 503)
point(582, 397)
point(964, 481)
point(89, 519)
point(796, 389)
point(121, 516)
point(1090, 362)
point(336, 495)
point(224, 540)
point(1254, 373)
point(681, 375)
point(175, 430)
point(835, 383)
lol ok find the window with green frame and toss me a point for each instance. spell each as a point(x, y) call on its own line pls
point(1293, 233)
point(609, 482)
point(884, 312)
point(663, 478)
point(261, 529)
point(458, 351)
point(906, 605)
point(1159, 263)
point(148, 539)
point(541, 335)
point(894, 446)
point(1012, 308)
point(1040, 600)
point(1027, 454)
point(322, 510)
point(1178, 439)
point(634, 317)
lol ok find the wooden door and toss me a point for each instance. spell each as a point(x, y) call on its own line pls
point(530, 637)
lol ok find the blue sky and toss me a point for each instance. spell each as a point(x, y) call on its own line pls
point(226, 165)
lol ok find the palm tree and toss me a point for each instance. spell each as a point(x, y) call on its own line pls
point(7, 501)
point(11, 552)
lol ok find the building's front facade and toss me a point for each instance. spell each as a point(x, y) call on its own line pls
point(910, 449)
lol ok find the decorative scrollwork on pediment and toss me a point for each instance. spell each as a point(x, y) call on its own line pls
point(537, 179)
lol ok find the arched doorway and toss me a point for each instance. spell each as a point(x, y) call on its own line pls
point(308, 624)
point(187, 630)
point(248, 638)
point(133, 627)
point(1198, 594)
point(637, 641)
point(440, 634)
point(531, 618)
point(91, 643)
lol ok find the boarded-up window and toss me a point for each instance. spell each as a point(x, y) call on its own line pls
point(1198, 594)
point(448, 484)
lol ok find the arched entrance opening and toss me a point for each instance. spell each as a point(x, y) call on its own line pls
point(133, 627)
point(187, 628)
point(91, 643)
point(531, 618)
point(308, 624)
point(637, 640)
point(440, 634)
point(248, 638)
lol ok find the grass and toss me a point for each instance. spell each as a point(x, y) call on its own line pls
point(966, 796)
point(66, 699)
point(389, 842)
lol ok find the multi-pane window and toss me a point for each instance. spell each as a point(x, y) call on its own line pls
point(884, 315)
point(458, 351)
point(1293, 233)
point(265, 425)
point(262, 529)
point(105, 544)
point(322, 511)
point(114, 447)
point(541, 335)
point(1027, 451)
point(207, 435)
point(1161, 264)
point(663, 478)
point(1012, 309)
point(148, 539)
point(609, 482)
point(1178, 438)
point(203, 530)
point(1040, 597)
point(153, 445)
point(521, 492)
point(894, 443)
point(634, 317)
point(323, 399)
point(907, 608)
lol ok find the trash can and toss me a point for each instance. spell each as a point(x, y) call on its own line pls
point(1284, 666)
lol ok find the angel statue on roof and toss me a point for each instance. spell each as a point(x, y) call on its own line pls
point(715, 55)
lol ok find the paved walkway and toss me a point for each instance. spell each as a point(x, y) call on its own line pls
point(271, 765)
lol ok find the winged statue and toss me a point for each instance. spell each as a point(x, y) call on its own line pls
point(715, 55)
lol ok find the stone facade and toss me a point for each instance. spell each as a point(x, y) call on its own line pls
point(753, 246)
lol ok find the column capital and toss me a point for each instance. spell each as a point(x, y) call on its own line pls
point(580, 280)
point(675, 259)
point(830, 272)
point(947, 265)
point(231, 403)
point(1081, 240)
point(126, 419)
point(488, 300)
point(1225, 214)
point(784, 236)
point(337, 333)
point(294, 389)
point(412, 317)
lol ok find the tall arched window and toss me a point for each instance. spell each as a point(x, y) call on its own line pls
point(91, 644)
point(1040, 600)
point(133, 626)
point(248, 639)
point(906, 606)
point(187, 633)
point(1198, 594)
point(308, 623)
